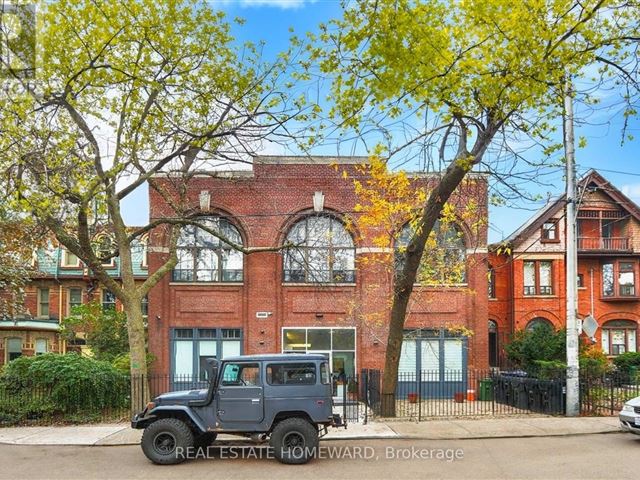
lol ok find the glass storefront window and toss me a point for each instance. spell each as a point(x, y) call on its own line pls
point(192, 347)
point(344, 339)
point(319, 339)
point(339, 344)
point(295, 339)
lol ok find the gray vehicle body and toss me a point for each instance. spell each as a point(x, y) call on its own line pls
point(228, 407)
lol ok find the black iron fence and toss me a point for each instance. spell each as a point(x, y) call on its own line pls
point(85, 400)
point(459, 393)
point(423, 396)
point(605, 394)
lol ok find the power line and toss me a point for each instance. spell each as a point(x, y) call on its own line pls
point(610, 171)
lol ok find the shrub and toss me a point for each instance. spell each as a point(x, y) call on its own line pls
point(529, 347)
point(18, 408)
point(61, 384)
point(550, 369)
point(593, 361)
point(626, 362)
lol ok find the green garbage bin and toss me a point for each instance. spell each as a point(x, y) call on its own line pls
point(486, 390)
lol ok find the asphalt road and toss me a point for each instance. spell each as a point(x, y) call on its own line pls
point(612, 456)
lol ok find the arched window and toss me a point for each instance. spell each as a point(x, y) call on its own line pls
point(537, 323)
point(493, 344)
point(493, 326)
point(322, 252)
point(444, 258)
point(619, 336)
point(203, 257)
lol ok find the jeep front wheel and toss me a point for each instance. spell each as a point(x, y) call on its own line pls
point(166, 441)
point(294, 441)
point(204, 440)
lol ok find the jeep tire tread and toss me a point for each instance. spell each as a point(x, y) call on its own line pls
point(294, 440)
point(162, 438)
point(203, 440)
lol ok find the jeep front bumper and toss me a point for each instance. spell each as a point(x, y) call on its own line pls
point(141, 420)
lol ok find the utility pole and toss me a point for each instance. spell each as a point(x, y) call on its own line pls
point(573, 372)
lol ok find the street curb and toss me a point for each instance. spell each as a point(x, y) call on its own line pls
point(351, 438)
point(491, 437)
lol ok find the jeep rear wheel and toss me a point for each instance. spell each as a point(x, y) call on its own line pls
point(294, 441)
point(166, 441)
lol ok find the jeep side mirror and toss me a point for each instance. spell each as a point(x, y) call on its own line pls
point(212, 369)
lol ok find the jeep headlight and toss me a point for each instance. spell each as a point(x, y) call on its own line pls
point(627, 408)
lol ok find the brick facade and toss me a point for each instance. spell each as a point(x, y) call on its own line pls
point(608, 233)
point(30, 324)
point(263, 204)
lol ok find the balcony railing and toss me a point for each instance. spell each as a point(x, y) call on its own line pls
point(612, 244)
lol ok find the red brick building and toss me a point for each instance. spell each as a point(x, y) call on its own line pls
point(60, 282)
point(328, 294)
point(528, 284)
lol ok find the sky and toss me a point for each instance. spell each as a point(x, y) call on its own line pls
point(272, 20)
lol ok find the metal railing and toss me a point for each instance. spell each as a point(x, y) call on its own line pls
point(429, 394)
point(605, 394)
point(432, 394)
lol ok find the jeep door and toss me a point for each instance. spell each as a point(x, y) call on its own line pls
point(240, 395)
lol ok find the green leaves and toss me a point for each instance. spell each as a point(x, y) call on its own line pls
point(56, 384)
point(18, 239)
point(127, 90)
point(530, 349)
point(477, 60)
point(104, 330)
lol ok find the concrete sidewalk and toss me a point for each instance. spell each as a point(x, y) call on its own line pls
point(122, 434)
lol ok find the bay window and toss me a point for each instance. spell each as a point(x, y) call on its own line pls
point(619, 279)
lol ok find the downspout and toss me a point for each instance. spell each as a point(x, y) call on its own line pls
point(61, 341)
point(512, 296)
point(591, 279)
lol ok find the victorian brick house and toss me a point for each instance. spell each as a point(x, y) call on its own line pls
point(59, 283)
point(527, 279)
point(327, 294)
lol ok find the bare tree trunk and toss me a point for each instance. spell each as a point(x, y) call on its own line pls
point(137, 355)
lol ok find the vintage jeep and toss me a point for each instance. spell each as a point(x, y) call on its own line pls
point(285, 398)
